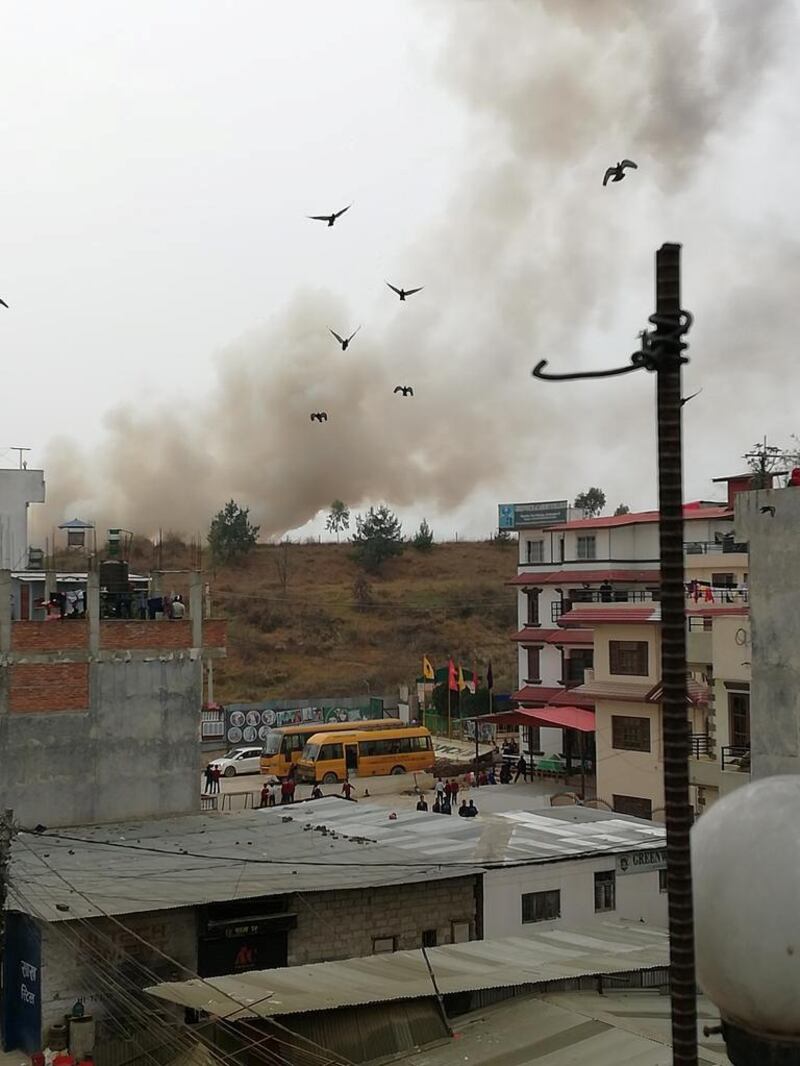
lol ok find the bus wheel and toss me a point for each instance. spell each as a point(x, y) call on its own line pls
point(331, 779)
point(398, 769)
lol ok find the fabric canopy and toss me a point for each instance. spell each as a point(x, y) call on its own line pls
point(563, 717)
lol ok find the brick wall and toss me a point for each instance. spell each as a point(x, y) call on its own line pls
point(122, 634)
point(49, 636)
point(343, 924)
point(215, 633)
point(48, 687)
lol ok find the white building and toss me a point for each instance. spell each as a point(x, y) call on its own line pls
point(561, 866)
point(18, 489)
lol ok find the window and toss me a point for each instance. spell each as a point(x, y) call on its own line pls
point(635, 806)
point(605, 890)
point(662, 880)
point(533, 607)
point(629, 733)
point(535, 551)
point(534, 655)
point(628, 657)
point(383, 945)
point(429, 938)
point(460, 932)
point(739, 715)
point(587, 546)
point(723, 581)
point(331, 751)
point(579, 660)
point(541, 906)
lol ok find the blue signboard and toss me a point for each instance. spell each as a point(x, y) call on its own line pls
point(22, 985)
point(532, 515)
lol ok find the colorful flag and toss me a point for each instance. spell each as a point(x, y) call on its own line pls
point(452, 683)
point(489, 677)
point(461, 682)
point(427, 669)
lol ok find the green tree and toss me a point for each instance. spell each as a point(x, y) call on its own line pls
point(378, 537)
point(231, 534)
point(622, 509)
point(591, 502)
point(338, 519)
point(423, 538)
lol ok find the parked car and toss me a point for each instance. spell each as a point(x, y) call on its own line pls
point(240, 761)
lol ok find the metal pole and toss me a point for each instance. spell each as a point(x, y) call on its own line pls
point(678, 815)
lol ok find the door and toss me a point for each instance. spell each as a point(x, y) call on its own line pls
point(250, 761)
point(351, 757)
point(739, 708)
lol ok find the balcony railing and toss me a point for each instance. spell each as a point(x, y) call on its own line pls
point(700, 745)
point(713, 547)
point(736, 758)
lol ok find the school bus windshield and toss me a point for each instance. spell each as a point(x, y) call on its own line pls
point(272, 744)
point(311, 752)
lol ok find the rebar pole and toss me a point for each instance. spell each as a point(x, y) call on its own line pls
point(678, 813)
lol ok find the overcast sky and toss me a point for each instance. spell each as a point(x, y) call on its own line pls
point(169, 301)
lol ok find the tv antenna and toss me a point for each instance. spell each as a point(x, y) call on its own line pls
point(23, 463)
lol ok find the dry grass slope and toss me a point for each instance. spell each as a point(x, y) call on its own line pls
point(316, 636)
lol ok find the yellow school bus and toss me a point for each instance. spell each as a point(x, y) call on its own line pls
point(284, 745)
point(330, 757)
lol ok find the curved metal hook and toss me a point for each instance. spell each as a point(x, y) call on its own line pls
point(538, 372)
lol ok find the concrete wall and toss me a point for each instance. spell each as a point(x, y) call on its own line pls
point(83, 959)
point(637, 897)
point(18, 488)
point(775, 621)
point(343, 924)
point(629, 773)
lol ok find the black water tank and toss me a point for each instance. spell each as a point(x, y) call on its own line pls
point(114, 575)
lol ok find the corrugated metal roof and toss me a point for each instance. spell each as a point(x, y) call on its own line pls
point(589, 614)
point(551, 955)
point(532, 578)
point(178, 862)
point(566, 1028)
point(535, 635)
point(510, 838)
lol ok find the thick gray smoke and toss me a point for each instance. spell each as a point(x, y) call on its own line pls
point(533, 259)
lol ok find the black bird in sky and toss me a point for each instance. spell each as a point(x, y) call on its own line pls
point(768, 510)
point(617, 173)
point(406, 390)
point(685, 399)
point(3, 303)
point(402, 293)
point(319, 416)
point(344, 341)
point(330, 219)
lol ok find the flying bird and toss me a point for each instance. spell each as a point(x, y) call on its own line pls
point(319, 416)
point(617, 173)
point(344, 341)
point(402, 293)
point(406, 390)
point(685, 399)
point(4, 303)
point(768, 510)
point(330, 219)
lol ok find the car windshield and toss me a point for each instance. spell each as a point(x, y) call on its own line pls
point(310, 752)
point(273, 744)
point(235, 754)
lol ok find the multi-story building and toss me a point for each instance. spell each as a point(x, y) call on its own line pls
point(565, 560)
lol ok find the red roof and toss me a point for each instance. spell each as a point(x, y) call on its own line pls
point(534, 635)
point(536, 693)
point(715, 612)
point(572, 697)
point(690, 511)
point(621, 613)
point(564, 717)
point(582, 577)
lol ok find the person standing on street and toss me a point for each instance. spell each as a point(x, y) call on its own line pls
point(522, 768)
point(266, 796)
point(216, 774)
point(209, 779)
point(421, 804)
point(347, 788)
point(439, 789)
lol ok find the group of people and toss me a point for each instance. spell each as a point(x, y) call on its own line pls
point(444, 802)
point(212, 776)
point(277, 793)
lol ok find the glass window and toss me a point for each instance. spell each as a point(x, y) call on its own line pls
point(535, 551)
point(739, 713)
point(405, 744)
point(587, 546)
point(635, 806)
point(331, 751)
point(628, 657)
point(605, 890)
point(533, 607)
point(273, 744)
point(662, 880)
point(311, 752)
point(541, 906)
point(629, 733)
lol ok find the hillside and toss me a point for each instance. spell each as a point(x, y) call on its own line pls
point(313, 637)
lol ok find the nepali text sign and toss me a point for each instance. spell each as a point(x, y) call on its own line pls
point(642, 862)
point(532, 515)
point(22, 982)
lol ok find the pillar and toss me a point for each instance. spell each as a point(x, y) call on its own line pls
point(93, 610)
point(196, 607)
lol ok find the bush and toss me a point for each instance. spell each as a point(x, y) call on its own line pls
point(423, 538)
point(378, 538)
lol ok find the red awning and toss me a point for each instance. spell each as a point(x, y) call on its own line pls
point(536, 693)
point(561, 717)
point(533, 578)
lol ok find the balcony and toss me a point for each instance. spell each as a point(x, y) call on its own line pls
point(700, 745)
point(713, 547)
point(736, 759)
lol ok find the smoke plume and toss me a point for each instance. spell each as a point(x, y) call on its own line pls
point(532, 259)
